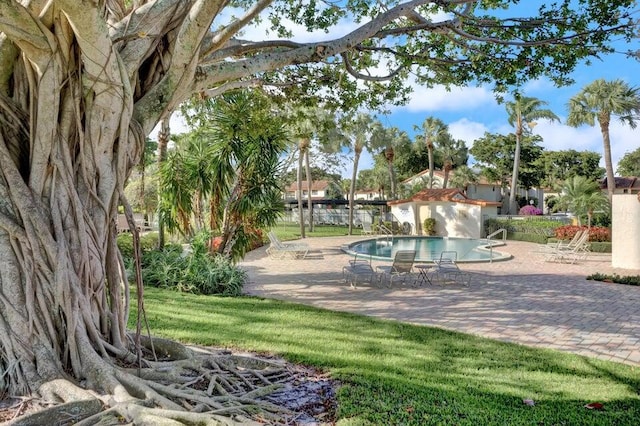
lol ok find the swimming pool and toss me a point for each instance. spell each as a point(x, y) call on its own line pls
point(428, 248)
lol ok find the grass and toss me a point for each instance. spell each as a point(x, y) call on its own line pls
point(400, 374)
point(291, 231)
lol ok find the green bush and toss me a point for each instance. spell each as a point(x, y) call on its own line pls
point(531, 225)
point(148, 242)
point(532, 238)
point(600, 247)
point(429, 226)
point(196, 272)
point(615, 278)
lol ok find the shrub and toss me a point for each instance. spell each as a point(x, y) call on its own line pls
point(615, 278)
point(532, 238)
point(533, 225)
point(530, 210)
point(429, 226)
point(148, 242)
point(596, 233)
point(196, 272)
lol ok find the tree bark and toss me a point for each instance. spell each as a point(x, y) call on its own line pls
point(604, 119)
point(352, 189)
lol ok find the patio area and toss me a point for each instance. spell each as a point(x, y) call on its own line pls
point(523, 300)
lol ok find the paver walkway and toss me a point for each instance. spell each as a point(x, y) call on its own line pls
point(523, 300)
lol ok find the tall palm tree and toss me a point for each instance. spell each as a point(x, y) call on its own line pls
point(357, 132)
point(454, 153)
point(388, 138)
point(307, 125)
point(599, 101)
point(522, 113)
point(433, 130)
point(583, 197)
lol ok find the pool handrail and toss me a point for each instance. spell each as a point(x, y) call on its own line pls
point(493, 234)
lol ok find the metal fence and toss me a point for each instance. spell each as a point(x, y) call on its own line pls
point(329, 216)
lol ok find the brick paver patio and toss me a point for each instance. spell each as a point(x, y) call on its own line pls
point(523, 300)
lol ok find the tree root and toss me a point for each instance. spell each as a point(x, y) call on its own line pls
point(190, 386)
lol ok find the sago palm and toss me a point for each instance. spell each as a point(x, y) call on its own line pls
point(599, 101)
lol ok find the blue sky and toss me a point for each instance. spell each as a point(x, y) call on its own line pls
point(472, 111)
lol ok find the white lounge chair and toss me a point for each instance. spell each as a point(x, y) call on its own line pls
point(446, 269)
point(401, 268)
point(570, 253)
point(366, 228)
point(279, 249)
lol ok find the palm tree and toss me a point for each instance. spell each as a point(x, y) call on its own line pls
point(462, 177)
point(522, 113)
point(305, 125)
point(453, 153)
point(433, 130)
point(388, 138)
point(583, 197)
point(599, 101)
point(357, 133)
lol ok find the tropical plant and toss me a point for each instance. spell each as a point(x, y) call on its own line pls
point(306, 124)
point(389, 138)
point(599, 101)
point(462, 177)
point(454, 154)
point(433, 130)
point(357, 132)
point(84, 82)
point(583, 196)
point(522, 113)
point(232, 161)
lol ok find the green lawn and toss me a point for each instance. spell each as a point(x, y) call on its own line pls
point(400, 374)
point(291, 231)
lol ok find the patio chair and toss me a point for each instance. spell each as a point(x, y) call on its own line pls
point(551, 248)
point(570, 254)
point(401, 268)
point(278, 249)
point(358, 269)
point(366, 228)
point(446, 269)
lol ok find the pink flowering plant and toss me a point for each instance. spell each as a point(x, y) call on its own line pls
point(530, 210)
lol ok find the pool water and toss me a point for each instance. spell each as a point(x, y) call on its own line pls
point(428, 248)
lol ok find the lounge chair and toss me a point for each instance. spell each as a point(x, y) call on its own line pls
point(446, 269)
point(401, 268)
point(366, 228)
point(279, 249)
point(358, 269)
point(570, 253)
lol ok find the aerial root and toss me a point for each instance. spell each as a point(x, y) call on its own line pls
point(211, 389)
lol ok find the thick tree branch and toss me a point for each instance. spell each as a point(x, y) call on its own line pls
point(225, 34)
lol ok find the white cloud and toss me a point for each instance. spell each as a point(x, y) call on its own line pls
point(467, 130)
point(440, 99)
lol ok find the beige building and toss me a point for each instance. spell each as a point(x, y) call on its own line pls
point(456, 215)
point(318, 189)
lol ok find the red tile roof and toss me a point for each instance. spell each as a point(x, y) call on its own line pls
point(452, 195)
